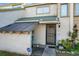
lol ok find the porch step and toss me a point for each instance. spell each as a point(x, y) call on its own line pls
point(39, 46)
point(51, 46)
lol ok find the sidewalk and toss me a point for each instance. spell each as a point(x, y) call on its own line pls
point(49, 52)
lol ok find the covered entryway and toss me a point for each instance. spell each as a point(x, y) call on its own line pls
point(50, 34)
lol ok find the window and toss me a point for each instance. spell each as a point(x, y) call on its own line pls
point(64, 9)
point(42, 10)
point(77, 9)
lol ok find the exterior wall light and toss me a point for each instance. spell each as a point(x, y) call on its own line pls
point(59, 24)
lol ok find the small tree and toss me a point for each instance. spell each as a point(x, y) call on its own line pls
point(74, 35)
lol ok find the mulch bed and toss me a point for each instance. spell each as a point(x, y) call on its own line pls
point(65, 53)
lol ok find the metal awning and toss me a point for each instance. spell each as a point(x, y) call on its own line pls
point(37, 19)
point(17, 27)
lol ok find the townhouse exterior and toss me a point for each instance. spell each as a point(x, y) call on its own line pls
point(53, 22)
point(61, 23)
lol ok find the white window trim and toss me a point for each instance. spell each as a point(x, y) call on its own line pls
point(42, 12)
point(75, 10)
point(67, 10)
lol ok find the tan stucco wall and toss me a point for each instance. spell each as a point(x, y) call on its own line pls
point(10, 17)
point(31, 11)
point(15, 42)
point(40, 35)
point(62, 32)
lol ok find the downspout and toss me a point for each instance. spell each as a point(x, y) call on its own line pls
point(71, 24)
point(57, 25)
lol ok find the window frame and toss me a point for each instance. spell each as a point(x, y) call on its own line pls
point(75, 9)
point(67, 9)
point(42, 7)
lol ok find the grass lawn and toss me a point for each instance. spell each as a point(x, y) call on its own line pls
point(5, 53)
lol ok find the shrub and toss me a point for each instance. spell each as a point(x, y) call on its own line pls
point(66, 43)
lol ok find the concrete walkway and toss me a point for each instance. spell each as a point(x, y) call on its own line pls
point(37, 51)
point(49, 52)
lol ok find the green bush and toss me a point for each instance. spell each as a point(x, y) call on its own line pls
point(67, 44)
point(76, 49)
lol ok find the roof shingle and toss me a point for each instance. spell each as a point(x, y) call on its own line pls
point(20, 27)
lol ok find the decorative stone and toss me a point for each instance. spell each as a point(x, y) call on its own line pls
point(61, 47)
point(63, 51)
point(72, 52)
point(37, 45)
point(67, 52)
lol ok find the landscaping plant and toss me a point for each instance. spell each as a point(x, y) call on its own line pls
point(70, 44)
point(74, 35)
point(66, 43)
